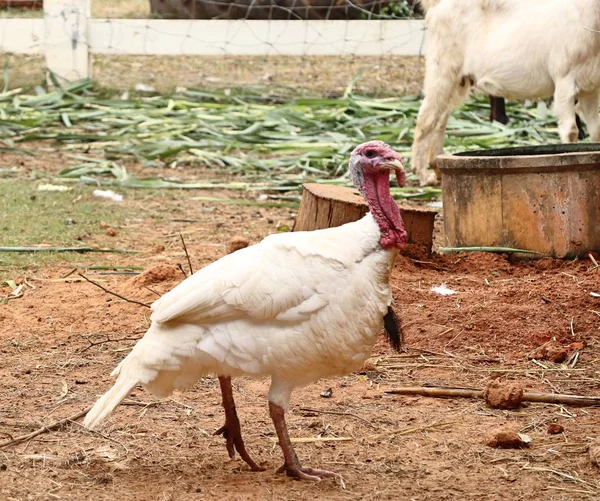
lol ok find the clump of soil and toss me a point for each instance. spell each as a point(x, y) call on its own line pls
point(507, 438)
point(236, 243)
point(503, 394)
point(555, 429)
point(551, 350)
point(155, 275)
point(485, 261)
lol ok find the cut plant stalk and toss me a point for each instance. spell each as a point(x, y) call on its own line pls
point(257, 134)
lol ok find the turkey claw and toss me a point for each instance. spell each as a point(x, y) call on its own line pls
point(234, 442)
point(304, 473)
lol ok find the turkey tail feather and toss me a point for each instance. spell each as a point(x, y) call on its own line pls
point(393, 329)
point(107, 402)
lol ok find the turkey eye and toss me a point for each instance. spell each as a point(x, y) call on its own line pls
point(369, 153)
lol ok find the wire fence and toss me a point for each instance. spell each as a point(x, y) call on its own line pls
point(319, 44)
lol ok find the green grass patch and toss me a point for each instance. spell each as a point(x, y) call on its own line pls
point(29, 217)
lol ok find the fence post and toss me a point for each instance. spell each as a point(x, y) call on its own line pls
point(66, 38)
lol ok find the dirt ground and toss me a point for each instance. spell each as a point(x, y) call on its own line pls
point(387, 75)
point(60, 341)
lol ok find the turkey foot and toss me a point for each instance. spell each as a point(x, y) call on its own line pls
point(231, 430)
point(292, 465)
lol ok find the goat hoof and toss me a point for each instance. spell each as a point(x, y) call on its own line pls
point(429, 179)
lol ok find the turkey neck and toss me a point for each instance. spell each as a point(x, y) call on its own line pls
point(384, 210)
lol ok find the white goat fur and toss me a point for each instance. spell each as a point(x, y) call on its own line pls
point(515, 49)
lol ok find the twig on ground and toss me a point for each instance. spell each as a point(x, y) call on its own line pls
point(187, 256)
point(406, 431)
point(528, 396)
point(73, 270)
point(65, 249)
point(113, 293)
point(152, 290)
point(47, 428)
point(403, 431)
point(185, 275)
point(338, 413)
point(571, 326)
point(557, 473)
point(134, 403)
point(108, 340)
point(310, 440)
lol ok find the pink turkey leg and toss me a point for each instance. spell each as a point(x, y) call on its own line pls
point(231, 430)
point(292, 465)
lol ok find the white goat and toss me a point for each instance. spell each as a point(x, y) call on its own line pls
point(515, 49)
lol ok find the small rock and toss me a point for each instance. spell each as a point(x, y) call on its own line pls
point(555, 429)
point(158, 249)
point(503, 394)
point(504, 438)
point(551, 350)
point(236, 243)
point(111, 232)
point(327, 393)
point(103, 224)
point(594, 452)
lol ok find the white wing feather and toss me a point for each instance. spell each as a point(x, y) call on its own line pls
point(277, 278)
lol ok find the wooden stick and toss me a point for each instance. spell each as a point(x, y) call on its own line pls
point(437, 391)
point(560, 398)
point(528, 396)
point(45, 429)
point(186, 254)
point(113, 293)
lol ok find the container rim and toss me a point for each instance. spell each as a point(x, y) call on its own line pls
point(542, 158)
point(542, 149)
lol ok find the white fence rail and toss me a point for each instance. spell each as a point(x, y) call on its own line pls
point(68, 35)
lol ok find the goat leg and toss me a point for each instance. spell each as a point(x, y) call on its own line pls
point(498, 110)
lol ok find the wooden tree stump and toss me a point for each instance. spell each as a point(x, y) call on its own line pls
point(328, 206)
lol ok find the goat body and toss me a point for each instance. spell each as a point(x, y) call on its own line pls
point(511, 49)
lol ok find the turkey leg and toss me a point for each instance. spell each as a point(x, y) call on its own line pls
point(292, 465)
point(231, 429)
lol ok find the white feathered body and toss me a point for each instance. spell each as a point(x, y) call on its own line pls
point(296, 307)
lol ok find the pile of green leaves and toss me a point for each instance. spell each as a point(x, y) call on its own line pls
point(264, 138)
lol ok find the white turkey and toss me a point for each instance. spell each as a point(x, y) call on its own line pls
point(296, 307)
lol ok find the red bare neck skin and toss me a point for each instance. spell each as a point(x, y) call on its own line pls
point(384, 210)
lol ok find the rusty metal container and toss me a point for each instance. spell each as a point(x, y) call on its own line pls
point(540, 198)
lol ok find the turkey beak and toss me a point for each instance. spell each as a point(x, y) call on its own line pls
point(398, 165)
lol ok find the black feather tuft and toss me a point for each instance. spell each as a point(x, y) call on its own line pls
point(393, 329)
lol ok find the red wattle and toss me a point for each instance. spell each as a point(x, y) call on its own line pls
point(384, 209)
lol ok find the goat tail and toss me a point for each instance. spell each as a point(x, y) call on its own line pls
point(428, 4)
point(107, 402)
